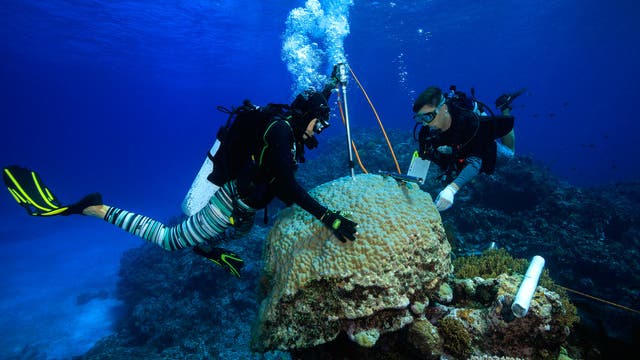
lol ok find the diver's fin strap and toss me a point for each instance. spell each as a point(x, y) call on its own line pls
point(29, 191)
point(222, 257)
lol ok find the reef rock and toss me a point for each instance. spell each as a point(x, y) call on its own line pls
point(482, 312)
point(316, 287)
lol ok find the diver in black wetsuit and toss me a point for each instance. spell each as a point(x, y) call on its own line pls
point(459, 138)
point(256, 163)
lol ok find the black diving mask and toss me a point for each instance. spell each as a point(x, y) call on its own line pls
point(321, 124)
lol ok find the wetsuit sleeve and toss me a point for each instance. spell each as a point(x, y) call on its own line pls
point(282, 165)
point(471, 169)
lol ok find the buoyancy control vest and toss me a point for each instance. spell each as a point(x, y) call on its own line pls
point(242, 141)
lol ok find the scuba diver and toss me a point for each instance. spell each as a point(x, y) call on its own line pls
point(459, 136)
point(259, 155)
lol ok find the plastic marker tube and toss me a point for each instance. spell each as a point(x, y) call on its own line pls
point(528, 286)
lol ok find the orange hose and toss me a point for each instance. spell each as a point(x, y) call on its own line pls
point(353, 144)
point(341, 111)
point(378, 118)
point(599, 299)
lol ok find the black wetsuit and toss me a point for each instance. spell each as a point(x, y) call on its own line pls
point(263, 160)
point(469, 136)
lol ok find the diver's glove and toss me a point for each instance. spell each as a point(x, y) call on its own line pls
point(222, 257)
point(445, 198)
point(333, 81)
point(343, 228)
point(335, 75)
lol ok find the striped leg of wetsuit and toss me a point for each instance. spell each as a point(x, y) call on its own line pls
point(204, 226)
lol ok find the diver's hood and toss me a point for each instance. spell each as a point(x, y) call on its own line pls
point(308, 106)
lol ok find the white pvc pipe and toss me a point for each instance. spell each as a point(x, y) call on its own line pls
point(528, 286)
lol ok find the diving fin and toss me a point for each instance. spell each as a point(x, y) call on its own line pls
point(28, 189)
point(505, 100)
point(222, 257)
point(515, 95)
point(89, 200)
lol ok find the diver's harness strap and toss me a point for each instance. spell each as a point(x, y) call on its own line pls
point(210, 155)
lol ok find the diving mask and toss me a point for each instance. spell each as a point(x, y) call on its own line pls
point(321, 124)
point(426, 118)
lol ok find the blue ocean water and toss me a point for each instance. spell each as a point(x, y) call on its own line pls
point(120, 97)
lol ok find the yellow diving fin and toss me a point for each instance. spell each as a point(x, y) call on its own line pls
point(222, 257)
point(28, 189)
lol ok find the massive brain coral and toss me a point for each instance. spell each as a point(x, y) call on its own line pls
point(316, 286)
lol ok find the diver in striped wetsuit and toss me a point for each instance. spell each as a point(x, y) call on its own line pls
point(246, 184)
point(256, 163)
point(208, 224)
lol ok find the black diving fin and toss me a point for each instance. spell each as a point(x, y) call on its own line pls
point(505, 100)
point(517, 94)
point(222, 257)
point(28, 189)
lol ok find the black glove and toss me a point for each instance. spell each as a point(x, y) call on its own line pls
point(331, 83)
point(342, 227)
point(339, 74)
point(335, 74)
point(334, 80)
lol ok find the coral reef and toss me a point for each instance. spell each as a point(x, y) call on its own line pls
point(590, 237)
point(176, 305)
point(425, 337)
point(457, 340)
point(483, 306)
point(318, 286)
point(494, 262)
